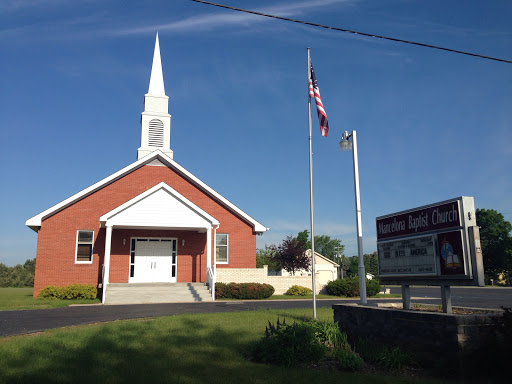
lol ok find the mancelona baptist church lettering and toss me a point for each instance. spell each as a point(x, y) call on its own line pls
point(424, 220)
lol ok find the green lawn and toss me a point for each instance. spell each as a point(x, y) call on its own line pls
point(194, 348)
point(21, 298)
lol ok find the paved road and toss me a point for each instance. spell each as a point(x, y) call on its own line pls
point(477, 297)
point(29, 321)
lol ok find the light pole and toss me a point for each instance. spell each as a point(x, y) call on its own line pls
point(347, 145)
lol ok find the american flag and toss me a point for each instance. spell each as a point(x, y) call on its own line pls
point(314, 91)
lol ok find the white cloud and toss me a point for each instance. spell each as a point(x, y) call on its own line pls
point(208, 22)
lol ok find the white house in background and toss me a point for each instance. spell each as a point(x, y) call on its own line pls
point(326, 269)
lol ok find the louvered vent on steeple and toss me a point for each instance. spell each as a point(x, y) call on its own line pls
point(156, 133)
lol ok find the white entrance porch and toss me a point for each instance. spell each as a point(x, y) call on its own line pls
point(155, 260)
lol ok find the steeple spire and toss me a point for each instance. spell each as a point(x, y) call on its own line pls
point(155, 121)
point(156, 82)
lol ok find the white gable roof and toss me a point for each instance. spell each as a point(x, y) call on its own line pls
point(320, 259)
point(35, 222)
point(159, 207)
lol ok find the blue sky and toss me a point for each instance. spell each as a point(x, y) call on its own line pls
point(431, 125)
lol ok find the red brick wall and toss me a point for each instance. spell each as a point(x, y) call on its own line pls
point(55, 260)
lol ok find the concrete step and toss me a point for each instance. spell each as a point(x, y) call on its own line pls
point(145, 293)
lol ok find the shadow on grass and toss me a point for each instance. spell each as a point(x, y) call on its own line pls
point(179, 349)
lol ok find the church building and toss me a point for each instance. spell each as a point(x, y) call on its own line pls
point(150, 224)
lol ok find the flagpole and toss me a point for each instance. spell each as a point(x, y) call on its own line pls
point(313, 267)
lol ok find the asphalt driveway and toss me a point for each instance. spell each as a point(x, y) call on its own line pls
point(36, 320)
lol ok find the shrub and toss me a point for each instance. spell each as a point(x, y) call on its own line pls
point(349, 287)
point(348, 359)
point(372, 287)
point(222, 291)
point(289, 345)
point(391, 359)
point(50, 292)
point(394, 359)
point(243, 291)
point(330, 334)
point(297, 290)
point(69, 292)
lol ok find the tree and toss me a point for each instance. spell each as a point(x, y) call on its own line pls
point(371, 263)
point(304, 238)
point(353, 269)
point(18, 276)
point(324, 245)
point(291, 255)
point(496, 243)
point(30, 266)
point(266, 256)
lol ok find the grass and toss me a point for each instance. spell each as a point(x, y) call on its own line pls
point(194, 348)
point(21, 298)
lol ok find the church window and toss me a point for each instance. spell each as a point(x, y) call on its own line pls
point(222, 249)
point(84, 243)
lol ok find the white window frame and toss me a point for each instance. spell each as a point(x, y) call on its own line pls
point(83, 242)
point(217, 246)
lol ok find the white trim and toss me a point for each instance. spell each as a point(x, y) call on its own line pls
point(209, 248)
point(35, 221)
point(227, 249)
point(76, 246)
point(106, 219)
point(108, 245)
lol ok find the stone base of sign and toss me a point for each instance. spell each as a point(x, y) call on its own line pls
point(449, 343)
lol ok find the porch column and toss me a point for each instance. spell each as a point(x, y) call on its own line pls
point(209, 247)
point(108, 242)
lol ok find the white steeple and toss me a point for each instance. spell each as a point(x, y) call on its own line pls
point(155, 120)
point(156, 82)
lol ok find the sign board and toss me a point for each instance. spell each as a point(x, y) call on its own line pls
point(429, 245)
point(408, 257)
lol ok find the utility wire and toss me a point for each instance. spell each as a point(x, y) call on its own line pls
point(357, 32)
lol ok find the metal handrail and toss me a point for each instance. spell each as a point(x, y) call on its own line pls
point(210, 279)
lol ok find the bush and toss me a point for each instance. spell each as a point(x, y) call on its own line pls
point(372, 287)
point(243, 291)
point(395, 359)
point(348, 359)
point(69, 292)
point(349, 287)
point(222, 290)
point(289, 345)
point(391, 359)
point(330, 334)
point(50, 292)
point(297, 290)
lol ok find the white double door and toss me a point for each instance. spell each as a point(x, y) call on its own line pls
point(155, 261)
